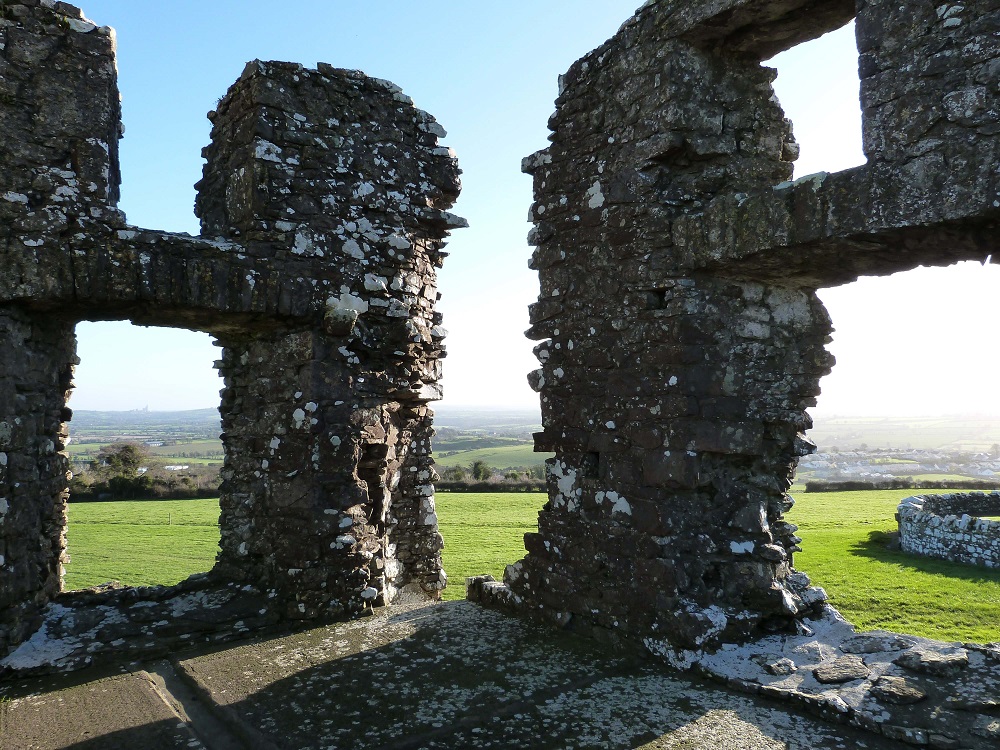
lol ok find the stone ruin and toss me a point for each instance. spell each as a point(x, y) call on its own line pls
point(323, 209)
point(681, 336)
point(952, 527)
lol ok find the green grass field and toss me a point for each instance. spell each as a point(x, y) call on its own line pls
point(844, 551)
point(483, 533)
point(140, 543)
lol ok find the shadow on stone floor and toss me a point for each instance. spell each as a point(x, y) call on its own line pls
point(416, 676)
point(453, 675)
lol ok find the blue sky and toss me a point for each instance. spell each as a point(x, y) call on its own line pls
point(488, 73)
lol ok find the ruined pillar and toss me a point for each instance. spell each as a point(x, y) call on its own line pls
point(327, 493)
point(35, 378)
point(59, 116)
point(674, 400)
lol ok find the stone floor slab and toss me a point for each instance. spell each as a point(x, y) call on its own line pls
point(454, 675)
point(123, 712)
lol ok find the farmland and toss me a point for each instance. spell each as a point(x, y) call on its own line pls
point(844, 550)
point(190, 437)
point(502, 439)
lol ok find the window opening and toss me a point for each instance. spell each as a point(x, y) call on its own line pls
point(145, 455)
point(818, 87)
point(910, 409)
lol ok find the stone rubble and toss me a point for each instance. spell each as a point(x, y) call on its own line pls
point(918, 691)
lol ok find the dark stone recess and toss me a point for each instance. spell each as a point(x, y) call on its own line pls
point(324, 212)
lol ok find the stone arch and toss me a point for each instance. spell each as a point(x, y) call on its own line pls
point(323, 210)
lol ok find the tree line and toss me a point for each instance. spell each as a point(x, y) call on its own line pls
point(479, 476)
point(129, 471)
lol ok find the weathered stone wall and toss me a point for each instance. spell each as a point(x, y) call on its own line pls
point(950, 527)
point(323, 208)
point(682, 339)
point(35, 372)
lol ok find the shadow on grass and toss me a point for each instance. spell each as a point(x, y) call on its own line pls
point(883, 547)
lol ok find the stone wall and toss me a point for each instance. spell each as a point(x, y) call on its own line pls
point(324, 212)
point(681, 336)
point(951, 527)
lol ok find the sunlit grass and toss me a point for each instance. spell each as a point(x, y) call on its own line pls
point(484, 532)
point(844, 550)
point(140, 543)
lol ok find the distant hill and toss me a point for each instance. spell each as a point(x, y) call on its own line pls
point(85, 419)
point(110, 426)
point(514, 421)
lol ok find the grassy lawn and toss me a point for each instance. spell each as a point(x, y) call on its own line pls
point(150, 542)
point(140, 543)
point(844, 551)
point(483, 533)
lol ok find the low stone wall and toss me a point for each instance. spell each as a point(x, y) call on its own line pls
point(950, 527)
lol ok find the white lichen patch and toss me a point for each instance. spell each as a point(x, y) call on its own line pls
point(594, 196)
point(267, 151)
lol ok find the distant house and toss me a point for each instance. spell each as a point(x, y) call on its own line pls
point(154, 443)
point(176, 467)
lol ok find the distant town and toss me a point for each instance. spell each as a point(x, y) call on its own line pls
point(884, 464)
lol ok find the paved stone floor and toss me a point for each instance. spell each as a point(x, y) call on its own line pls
point(416, 675)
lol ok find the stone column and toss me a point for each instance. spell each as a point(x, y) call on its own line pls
point(673, 399)
point(60, 119)
point(36, 372)
point(328, 494)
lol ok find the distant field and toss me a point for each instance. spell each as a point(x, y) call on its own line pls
point(843, 533)
point(939, 477)
point(971, 433)
point(501, 457)
point(192, 446)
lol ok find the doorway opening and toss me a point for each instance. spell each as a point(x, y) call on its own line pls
point(910, 409)
point(145, 457)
